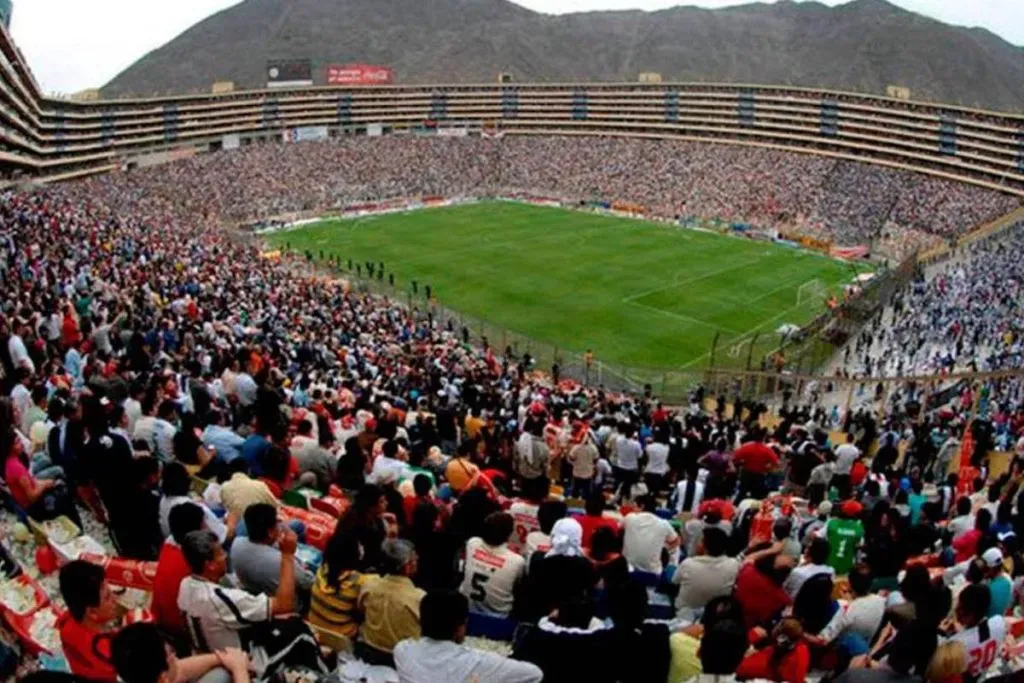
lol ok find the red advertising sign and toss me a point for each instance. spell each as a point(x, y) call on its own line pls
point(359, 74)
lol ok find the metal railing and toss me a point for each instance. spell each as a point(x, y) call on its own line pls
point(738, 373)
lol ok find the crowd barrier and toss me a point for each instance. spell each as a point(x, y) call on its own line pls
point(748, 361)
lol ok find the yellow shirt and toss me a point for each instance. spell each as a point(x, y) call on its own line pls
point(391, 611)
point(459, 472)
point(473, 426)
point(241, 491)
point(334, 608)
point(685, 664)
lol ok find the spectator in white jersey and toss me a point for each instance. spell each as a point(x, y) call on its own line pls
point(817, 563)
point(439, 654)
point(981, 635)
point(646, 536)
point(525, 511)
point(492, 571)
point(846, 455)
point(708, 575)
point(656, 469)
point(627, 460)
point(689, 493)
point(219, 617)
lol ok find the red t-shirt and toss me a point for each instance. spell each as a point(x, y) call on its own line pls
point(858, 473)
point(967, 545)
point(591, 524)
point(410, 503)
point(171, 569)
point(760, 597)
point(14, 473)
point(275, 487)
point(724, 508)
point(69, 331)
point(792, 668)
point(756, 457)
point(87, 651)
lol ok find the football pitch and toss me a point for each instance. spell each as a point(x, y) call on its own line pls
point(636, 293)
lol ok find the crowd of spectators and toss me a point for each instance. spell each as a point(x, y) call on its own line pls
point(961, 315)
point(841, 201)
point(142, 346)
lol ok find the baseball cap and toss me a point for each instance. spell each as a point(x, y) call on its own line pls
point(825, 508)
point(993, 557)
point(852, 508)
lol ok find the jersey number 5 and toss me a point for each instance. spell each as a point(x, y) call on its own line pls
point(477, 582)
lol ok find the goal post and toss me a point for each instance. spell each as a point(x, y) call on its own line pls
point(740, 347)
point(811, 291)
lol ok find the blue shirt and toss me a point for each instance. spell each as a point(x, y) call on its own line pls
point(227, 442)
point(916, 501)
point(73, 364)
point(1001, 589)
point(253, 450)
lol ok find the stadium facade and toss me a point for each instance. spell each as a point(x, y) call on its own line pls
point(48, 140)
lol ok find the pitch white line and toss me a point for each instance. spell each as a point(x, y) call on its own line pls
point(787, 285)
point(633, 297)
point(743, 337)
point(685, 318)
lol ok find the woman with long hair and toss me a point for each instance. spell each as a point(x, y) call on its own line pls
point(41, 499)
point(336, 588)
point(107, 463)
point(948, 663)
point(351, 472)
point(437, 549)
point(40, 464)
point(188, 447)
point(365, 522)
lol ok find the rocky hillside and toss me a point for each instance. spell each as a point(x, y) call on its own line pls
point(864, 45)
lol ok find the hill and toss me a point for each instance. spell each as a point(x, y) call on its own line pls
point(864, 45)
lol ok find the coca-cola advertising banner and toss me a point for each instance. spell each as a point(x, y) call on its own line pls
point(359, 74)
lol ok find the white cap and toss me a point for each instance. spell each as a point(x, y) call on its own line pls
point(993, 557)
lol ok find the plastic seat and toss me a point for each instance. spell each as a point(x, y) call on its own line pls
point(295, 499)
point(332, 640)
point(491, 626)
point(330, 506)
point(646, 579)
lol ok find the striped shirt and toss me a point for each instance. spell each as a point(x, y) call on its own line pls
point(334, 608)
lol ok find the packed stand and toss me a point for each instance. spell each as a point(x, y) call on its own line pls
point(302, 466)
point(962, 315)
point(836, 200)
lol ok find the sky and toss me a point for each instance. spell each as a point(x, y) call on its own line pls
point(72, 45)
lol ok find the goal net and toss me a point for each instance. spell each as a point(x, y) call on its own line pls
point(813, 291)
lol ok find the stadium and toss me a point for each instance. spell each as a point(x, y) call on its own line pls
point(510, 381)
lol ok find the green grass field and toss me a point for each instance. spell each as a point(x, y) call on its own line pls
point(636, 293)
